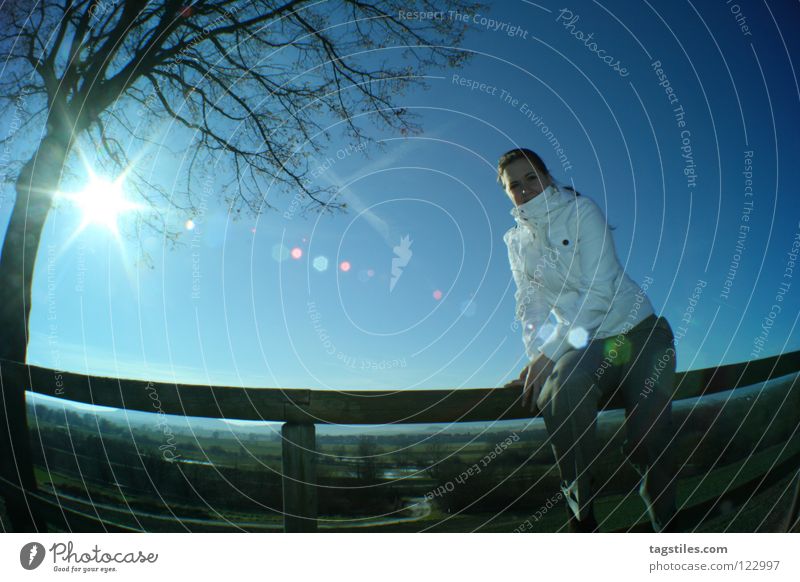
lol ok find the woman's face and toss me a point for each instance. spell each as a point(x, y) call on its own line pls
point(523, 182)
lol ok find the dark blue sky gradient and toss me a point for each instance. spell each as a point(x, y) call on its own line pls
point(221, 309)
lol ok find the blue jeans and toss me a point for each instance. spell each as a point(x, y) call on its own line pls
point(639, 367)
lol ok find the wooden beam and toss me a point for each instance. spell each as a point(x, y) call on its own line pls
point(299, 477)
point(730, 376)
point(352, 407)
point(49, 510)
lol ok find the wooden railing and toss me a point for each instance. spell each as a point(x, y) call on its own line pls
point(770, 404)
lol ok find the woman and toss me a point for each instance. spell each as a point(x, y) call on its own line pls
point(606, 338)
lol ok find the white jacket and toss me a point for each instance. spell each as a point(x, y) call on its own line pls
point(563, 260)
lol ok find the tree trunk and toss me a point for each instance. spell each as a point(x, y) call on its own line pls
point(36, 185)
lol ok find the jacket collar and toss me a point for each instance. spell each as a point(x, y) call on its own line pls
point(539, 210)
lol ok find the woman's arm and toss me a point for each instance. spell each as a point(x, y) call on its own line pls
point(531, 310)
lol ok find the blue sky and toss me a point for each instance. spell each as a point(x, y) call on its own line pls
point(221, 308)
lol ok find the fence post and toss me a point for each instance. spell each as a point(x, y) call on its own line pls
point(16, 463)
point(299, 477)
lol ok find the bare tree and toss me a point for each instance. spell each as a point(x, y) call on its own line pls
point(255, 81)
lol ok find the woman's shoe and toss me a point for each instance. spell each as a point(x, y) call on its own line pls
point(586, 525)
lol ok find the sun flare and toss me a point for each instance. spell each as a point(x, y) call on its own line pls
point(102, 202)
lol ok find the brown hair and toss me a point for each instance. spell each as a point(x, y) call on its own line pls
point(536, 161)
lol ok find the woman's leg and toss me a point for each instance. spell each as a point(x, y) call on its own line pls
point(648, 382)
point(569, 402)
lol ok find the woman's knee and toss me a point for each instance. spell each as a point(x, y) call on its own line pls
point(573, 369)
point(651, 379)
point(569, 387)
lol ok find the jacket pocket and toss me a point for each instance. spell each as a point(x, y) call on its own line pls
point(561, 240)
point(560, 252)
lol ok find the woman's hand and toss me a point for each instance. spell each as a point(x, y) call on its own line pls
point(533, 377)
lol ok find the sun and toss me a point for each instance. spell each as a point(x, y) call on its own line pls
point(102, 202)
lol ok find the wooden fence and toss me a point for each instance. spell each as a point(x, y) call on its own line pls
point(758, 397)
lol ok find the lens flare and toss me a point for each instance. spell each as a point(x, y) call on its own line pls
point(320, 263)
point(578, 337)
point(279, 252)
